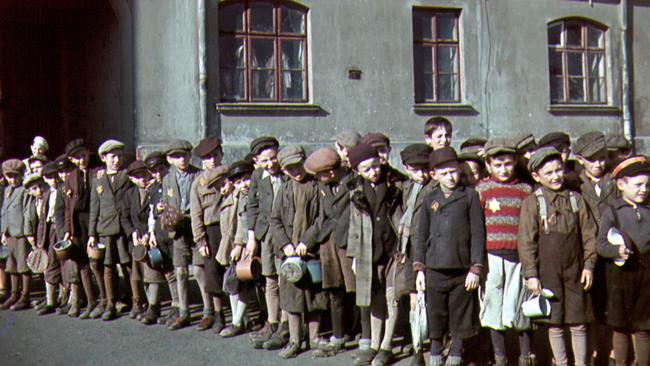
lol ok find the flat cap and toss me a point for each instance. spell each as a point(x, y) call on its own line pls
point(375, 139)
point(590, 143)
point(541, 156)
point(616, 142)
point(13, 166)
point(470, 156)
point(348, 137)
point(74, 146)
point(442, 156)
point(212, 176)
point(523, 139)
point(155, 158)
point(631, 167)
point(63, 164)
point(110, 145)
point(41, 142)
point(322, 160)
point(42, 158)
point(555, 139)
point(239, 168)
point(361, 152)
point(136, 167)
point(472, 144)
point(499, 145)
point(290, 155)
point(207, 147)
point(50, 169)
point(178, 146)
point(262, 143)
point(31, 179)
point(416, 154)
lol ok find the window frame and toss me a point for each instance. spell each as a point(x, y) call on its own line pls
point(247, 35)
point(564, 49)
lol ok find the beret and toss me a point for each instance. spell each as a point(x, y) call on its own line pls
point(589, 144)
point(136, 167)
point(50, 169)
point(375, 139)
point(631, 167)
point(618, 142)
point(472, 144)
point(348, 137)
point(542, 155)
point(213, 175)
point(178, 145)
point(63, 164)
point(322, 160)
point(291, 154)
point(555, 139)
point(499, 145)
point(207, 146)
point(239, 168)
point(41, 142)
point(261, 143)
point(13, 166)
point(41, 158)
point(31, 179)
point(442, 156)
point(361, 152)
point(416, 154)
point(155, 158)
point(523, 139)
point(74, 145)
point(110, 145)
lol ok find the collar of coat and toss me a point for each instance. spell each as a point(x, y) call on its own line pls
point(551, 195)
point(358, 198)
point(440, 200)
point(619, 203)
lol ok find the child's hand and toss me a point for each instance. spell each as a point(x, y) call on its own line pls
point(4, 239)
point(420, 282)
point(471, 281)
point(623, 252)
point(301, 250)
point(235, 253)
point(152, 241)
point(288, 250)
point(534, 286)
point(354, 266)
point(204, 250)
point(587, 279)
point(251, 245)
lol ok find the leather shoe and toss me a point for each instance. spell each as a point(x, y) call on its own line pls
point(88, 310)
point(47, 309)
point(152, 315)
point(180, 322)
point(364, 356)
point(277, 341)
point(219, 322)
point(63, 309)
point(10, 301)
point(231, 331)
point(417, 359)
point(291, 350)
point(382, 358)
point(99, 309)
point(109, 313)
point(22, 304)
point(137, 309)
point(169, 318)
point(205, 323)
point(73, 312)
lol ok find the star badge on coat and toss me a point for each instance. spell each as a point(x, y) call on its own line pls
point(435, 205)
point(100, 189)
point(493, 205)
point(170, 192)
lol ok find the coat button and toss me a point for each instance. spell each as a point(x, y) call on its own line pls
point(379, 219)
point(437, 235)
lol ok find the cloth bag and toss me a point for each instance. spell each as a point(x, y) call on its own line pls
point(418, 320)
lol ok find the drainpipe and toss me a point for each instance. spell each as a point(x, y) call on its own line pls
point(203, 75)
point(628, 123)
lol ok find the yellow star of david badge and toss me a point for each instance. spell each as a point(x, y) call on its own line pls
point(435, 205)
point(493, 205)
point(170, 192)
point(100, 189)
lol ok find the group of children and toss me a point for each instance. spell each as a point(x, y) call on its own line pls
point(341, 232)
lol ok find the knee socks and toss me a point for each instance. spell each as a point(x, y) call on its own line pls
point(173, 287)
point(621, 342)
point(272, 297)
point(641, 341)
point(183, 291)
point(498, 338)
point(208, 308)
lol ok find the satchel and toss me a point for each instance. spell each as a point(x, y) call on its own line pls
point(402, 275)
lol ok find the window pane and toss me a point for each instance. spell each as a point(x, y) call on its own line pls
point(557, 89)
point(422, 26)
point(263, 84)
point(231, 52)
point(446, 26)
point(232, 84)
point(446, 59)
point(262, 54)
point(555, 34)
point(292, 85)
point(597, 90)
point(596, 62)
point(261, 17)
point(555, 62)
point(447, 88)
point(576, 90)
point(573, 34)
point(424, 88)
point(595, 37)
point(292, 20)
point(574, 63)
point(231, 18)
point(292, 55)
point(423, 57)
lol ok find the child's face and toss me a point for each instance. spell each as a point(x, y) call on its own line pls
point(634, 189)
point(140, 180)
point(37, 150)
point(14, 180)
point(180, 160)
point(295, 171)
point(370, 170)
point(550, 175)
point(418, 174)
point(243, 183)
point(51, 180)
point(113, 160)
point(80, 158)
point(36, 166)
point(36, 190)
point(439, 138)
point(159, 171)
point(565, 151)
point(212, 161)
point(595, 166)
point(326, 177)
point(448, 175)
point(501, 167)
point(64, 175)
point(472, 170)
point(268, 160)
point(224, 186)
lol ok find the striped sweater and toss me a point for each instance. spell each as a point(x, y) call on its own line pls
point(501, 204)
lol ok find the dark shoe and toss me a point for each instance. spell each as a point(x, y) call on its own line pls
point(47, 309)
point(329, 349)
point(180, 322)
point(110, 313)
point(501, 361)
point(417, 359)
point(219, 322)
point(365, 356)
point(382, 358)
point(38, 304)
point(231, 331)
point(88, 310)
point(291, 350)
point(152, 315)
point(73, 312)
point(278, 340)
point(21, 304)
point(169, 318)
point(99, 309)
point(205, 323)
point(63, 309)
point(137, 309)
point(258, 339)
point(4, 295)
point(9, 301)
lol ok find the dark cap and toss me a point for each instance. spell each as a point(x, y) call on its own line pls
point(239, 168)
point(616, 142)
point(178, 146)
point(375, 139)
point(541, 156)
point(499, 145)
point(13, 166)
point(348, 137)
point(155, 158)
point(263, 143)
point(290, 155)
point(416, 154)
point(42, 158)
point(136, 167)
point(523, 140)
point(470, 156)
point(555, 139)
point(207, 147)
point(322, 160)
point(442, 156)
point(74, 146)
point(50, 169)
point(361, 152)
point(631, 167)
point(589, 144)
point(32, 179)
point(472, 144)
point(63, 164)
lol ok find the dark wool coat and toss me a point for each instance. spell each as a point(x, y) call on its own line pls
point(136, 213)
point(598, 204)
point(260, 203)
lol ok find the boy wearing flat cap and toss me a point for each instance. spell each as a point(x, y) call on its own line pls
point(473, 167)
point(624, 245)
point(345, 140)
point(618, 148)
point(105, 221)
point(449, 256)
point(562, 143)
point(207, 193)
point(381, 143)
point(375, 211)
point(15, 230)
point(501, 196)
point(176, 188)
point(557, 238)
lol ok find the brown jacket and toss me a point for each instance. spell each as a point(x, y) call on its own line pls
point(598, 204)
point(204, 206)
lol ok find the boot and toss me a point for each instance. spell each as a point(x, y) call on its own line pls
point(74, 310)
point(171, 315)
point(258, 339)
point(279, 339)
point(291, 350)
point(181, 321)
point(219, 322)
point(137, 309)
point(152, 315)
point(47, 309)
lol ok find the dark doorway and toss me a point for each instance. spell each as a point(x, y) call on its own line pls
point(59, 72)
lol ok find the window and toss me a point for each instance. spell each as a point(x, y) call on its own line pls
point(576, 57)
point(262, 51)
point(436, 55)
